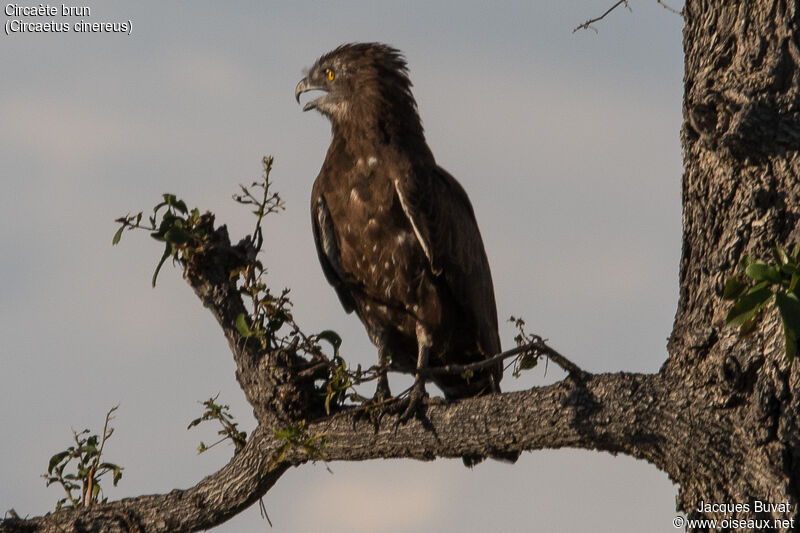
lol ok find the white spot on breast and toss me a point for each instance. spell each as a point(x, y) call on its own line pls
point(354, 197)
point(386, 265)
point(374, 247)
point(404, 236)
point(372, 222)
point(372, 161)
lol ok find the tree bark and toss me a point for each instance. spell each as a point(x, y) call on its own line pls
point(721, 416)
point(740, 139)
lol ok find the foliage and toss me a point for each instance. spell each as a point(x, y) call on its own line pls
point(220, 413)
point(179, 229)
point(527, 359)
point(297, 436)
point(88, 470)
point(269, 203)
point(756, 284)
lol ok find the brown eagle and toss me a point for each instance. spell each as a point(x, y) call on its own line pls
point(395, 233)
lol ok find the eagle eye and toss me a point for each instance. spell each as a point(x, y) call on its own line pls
point(329, 73)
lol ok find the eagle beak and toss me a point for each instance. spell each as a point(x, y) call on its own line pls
point(305, 86)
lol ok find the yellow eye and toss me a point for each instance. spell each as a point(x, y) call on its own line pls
point(330, 74)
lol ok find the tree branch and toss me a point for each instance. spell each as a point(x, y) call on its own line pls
point(670, 8)
point(588, 24)
point(611, 412)
point(538, 347)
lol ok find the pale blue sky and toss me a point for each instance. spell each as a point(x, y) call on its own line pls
point(566, 143)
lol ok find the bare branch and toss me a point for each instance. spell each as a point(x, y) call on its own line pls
point(537, 347)
point(588, 24)
point(670, 8)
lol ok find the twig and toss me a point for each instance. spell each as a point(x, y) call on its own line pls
point(538, 347)
point(588, 24)
point(670, 8)
point(93, 469)
point(263, 509)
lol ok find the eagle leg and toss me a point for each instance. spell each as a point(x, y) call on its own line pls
point(382, 392)
point(418, 389)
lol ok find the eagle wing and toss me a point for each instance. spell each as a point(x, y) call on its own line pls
point(445, 226)
point(328, 251)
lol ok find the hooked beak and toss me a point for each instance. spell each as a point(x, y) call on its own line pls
point(305, 86)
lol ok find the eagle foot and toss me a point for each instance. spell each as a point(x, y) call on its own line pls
point(382, 392)
point(381, 403)
point(413, 402)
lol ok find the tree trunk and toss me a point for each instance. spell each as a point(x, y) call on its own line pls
point(721, 417)
point(740, 139)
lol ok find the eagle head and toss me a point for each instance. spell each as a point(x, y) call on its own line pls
point(361, 82)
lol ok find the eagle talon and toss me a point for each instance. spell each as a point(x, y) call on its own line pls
point(414, 400)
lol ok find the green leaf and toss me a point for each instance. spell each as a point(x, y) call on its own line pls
point(789, 269)
point(780, 256)
point(758, 286)
point(528, 361)
point(180, 205)
point(117, 236)
point(749, 326)
point(760, 271)
point(747, 306)
point(177, 235)
point(735, 287)
point(108, 466)
point(167, 253)
point(744, 261)
point(242, 327)
point(333, 338)
point(789, 307)
point(57, 458)
point(169, 199)
point(793, 283)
